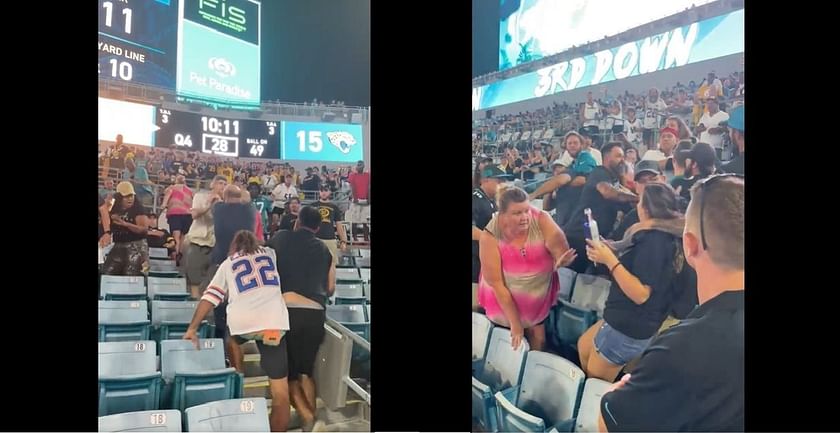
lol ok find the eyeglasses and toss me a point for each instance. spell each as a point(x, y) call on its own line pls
point(704, 184)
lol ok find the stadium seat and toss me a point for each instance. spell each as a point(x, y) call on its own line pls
point(194, 377)
point(158, 253)
point(591, 293)
point(349, 294)
point(590, 405)
point(365, 273)
point(143, 421)
point(241, 415)
point(346, 261)
point(570, 322)
point(128, 377)
point(115, 287)
point(172, 318)
point(168, 289)
point(123, 321)
point(547, 398)
point(163, 268)
point(363, 262)
point(364, 252)
point(567, 283)
point(348, 276)
point(481, 329)
point(502, 369)
point(352, 317)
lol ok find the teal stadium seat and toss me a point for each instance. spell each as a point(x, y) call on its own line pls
point(241, 415)
point(192, 377)
point(350, 294)
point(547, 398)
point(172, 318)
point(501, 370)
point(123, 321)
point(348, 276)
point(591, 293)
point(158, 253)
point(481, 329)
point(128, 377)
point(570, 322)
point(163, 268)
point(590, 405)
point(168, 289)
point(144, 421)
point(117, 287)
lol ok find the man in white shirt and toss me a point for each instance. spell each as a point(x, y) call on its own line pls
point(709, 129)
point(654, 110)
point(201, 238)
point(281, 195)
point(589, 112)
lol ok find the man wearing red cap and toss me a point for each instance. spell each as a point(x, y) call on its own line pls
point(664, 155)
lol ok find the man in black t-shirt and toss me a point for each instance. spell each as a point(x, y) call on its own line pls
point(118, 154)
point(603, 194)
point(307, 279)
point(483, 208)
point(331, 223)
point(691, 377)
point(289, 218)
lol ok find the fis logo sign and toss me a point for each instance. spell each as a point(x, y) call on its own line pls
point(342, 140)
point(222, 67)
point(220, 8)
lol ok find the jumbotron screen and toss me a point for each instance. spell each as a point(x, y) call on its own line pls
point(533, 29)
point(205, 50)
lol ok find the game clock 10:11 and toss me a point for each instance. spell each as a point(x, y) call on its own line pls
point(138, 40)
point(217, 135)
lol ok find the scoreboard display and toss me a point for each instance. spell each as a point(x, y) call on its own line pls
point(138, 40)
point(205, 50)
point(218, 135)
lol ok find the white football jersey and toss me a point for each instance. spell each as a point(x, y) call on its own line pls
point(252, 286)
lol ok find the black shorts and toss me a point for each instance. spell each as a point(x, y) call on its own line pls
point(305, 336)
point(179, 223)
point(274, 360)
point(278, 210)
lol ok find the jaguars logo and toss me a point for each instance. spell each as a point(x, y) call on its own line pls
point(342, 140)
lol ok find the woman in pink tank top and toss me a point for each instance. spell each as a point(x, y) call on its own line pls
point(177, 203)
point(520, 249)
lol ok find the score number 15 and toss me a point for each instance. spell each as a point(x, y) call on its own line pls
point(315, 141)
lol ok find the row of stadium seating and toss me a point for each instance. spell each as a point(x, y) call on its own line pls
point(246, 414)
point(547, 391)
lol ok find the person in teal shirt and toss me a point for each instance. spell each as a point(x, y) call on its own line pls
point(264, 205)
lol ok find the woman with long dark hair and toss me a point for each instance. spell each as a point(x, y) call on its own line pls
point(644, 266)
point(129, 228)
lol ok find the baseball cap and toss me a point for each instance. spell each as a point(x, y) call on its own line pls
point(644, 167)
point(494, 172)
point(702, 154)
point(669, 130)
point(125, 188)
point(736, 118)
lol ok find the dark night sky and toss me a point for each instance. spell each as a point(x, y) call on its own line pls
point(316, 49)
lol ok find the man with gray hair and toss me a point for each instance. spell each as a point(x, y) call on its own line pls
point(691, 377)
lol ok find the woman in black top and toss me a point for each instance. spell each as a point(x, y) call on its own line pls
point(643, 279)
point(129, 228)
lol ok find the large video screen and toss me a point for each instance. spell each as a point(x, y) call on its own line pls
point(219, 46)
point(137, 40)
point(218, 135)
point(205, 50)
point(328, 142)
point(136, 122)
point(533, 29)
point(705, 40)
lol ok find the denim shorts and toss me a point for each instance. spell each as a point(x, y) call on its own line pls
point(616, 347)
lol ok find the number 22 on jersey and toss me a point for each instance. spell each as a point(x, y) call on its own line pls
point(255, 271)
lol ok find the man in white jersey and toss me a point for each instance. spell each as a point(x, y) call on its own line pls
point(255, 311)
point(281, 195)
